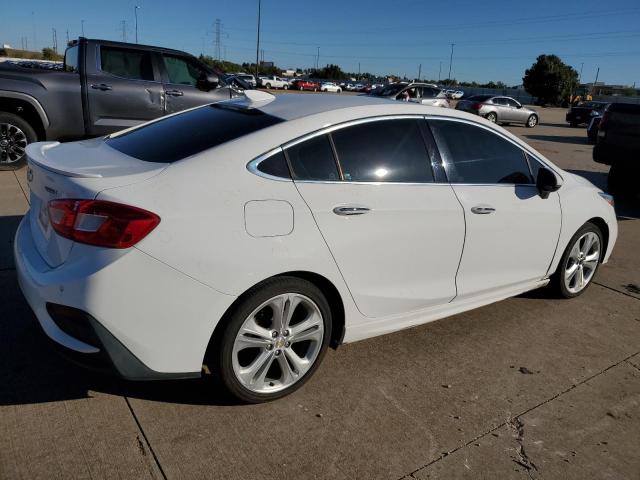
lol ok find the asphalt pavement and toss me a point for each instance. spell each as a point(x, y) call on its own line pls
point(531, 387)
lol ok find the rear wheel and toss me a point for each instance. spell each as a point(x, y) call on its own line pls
point(15, 135)
point(492, 117)
point(579, 262)
point(274, 340)
point(532, 121)
point(268, 85)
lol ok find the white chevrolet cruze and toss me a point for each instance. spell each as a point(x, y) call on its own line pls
point(249, 235)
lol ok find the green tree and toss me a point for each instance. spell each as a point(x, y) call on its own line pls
point(50, 54)
point(550, 80)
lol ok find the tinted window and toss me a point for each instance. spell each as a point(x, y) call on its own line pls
point(313, 160)
point(383, 151)
point(180, 136)
point(534, 165)
point(512, 103)
point(475, 155)
point(122, 62)
point(480, 98)
point(275, 165)
point(428, 92)
point(71, 59)
point(182, 71)
point(499, 101)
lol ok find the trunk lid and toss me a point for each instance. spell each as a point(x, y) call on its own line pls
point(74, 170)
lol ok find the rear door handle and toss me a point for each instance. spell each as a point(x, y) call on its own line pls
point(483, 209)
point(350, 210)
point(102, 86)
point(174, 93)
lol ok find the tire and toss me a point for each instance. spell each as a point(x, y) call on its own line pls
point(532, 121)
point(567, 285)
point(492, 117)
point(286, 87)
point(573, 124)
point(268, 85)
point(274, 375)
point(339, 90)
point(15, 134)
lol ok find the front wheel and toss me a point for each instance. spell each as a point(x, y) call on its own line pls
point(268, 85)
point(532, 121)
point(274, 340)
point(285, 87)
point(492, 117)
point(15, 135)
point(579, 262)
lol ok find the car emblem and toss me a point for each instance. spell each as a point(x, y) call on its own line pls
point(29, 175)
point(51, 190)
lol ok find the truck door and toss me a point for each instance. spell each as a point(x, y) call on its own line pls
point(124, 89)
point(183, 86)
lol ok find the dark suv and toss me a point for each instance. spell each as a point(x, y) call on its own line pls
point(583, 112)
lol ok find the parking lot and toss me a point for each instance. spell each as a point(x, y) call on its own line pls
point(531, 387)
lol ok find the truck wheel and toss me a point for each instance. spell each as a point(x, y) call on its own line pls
point(268, 85)
point(15, 134)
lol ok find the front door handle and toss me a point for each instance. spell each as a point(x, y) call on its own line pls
point(102, 86)
point(350, 210)
point(483, 209)
point(174, 93)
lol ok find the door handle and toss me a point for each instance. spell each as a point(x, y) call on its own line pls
point(102, 86)
point(174, 93)
point(350, 210)
point(483, 209)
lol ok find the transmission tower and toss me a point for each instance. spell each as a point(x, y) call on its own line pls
point(55, 40)
point(217, 40)
point(124, 30)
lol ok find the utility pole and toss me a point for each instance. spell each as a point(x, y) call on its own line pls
point(450, 62)
point(82, 27)
point(439, 72)
point(33, 26)
point(135, 13)
point(580, 75)
point(217, 41)
point(258, 41)
point(419, 72)
point(67, 36)
point(318, 58)
point(55, 40)
point(124, 30)
point(596, 81)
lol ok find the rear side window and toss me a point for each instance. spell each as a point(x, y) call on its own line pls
point(174, 138)
point(275, 165)
point(383, 151)
point(126, 63)
point(313, 160)
point(475, 155)
point(71, 59)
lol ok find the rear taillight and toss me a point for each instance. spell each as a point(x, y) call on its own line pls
point(476, 106)
point(96, 222)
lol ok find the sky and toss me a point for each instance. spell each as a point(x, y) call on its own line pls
point(493, 40)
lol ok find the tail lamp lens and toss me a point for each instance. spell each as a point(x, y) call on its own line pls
point(476, 106)
point(101, 223)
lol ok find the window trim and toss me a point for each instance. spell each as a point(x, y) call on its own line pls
point(252, 166)
point(501, 135)
point(154, 67)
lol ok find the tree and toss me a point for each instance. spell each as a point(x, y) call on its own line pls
point(550, 80)
point(50, 54)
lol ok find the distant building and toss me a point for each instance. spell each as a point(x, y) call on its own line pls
point(290, 73)
point(6, 45)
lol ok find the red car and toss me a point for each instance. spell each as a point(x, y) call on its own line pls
point(306, 85)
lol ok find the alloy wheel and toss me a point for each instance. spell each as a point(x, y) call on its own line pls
point(582, 262)
point(278, 343)
point(13, 142)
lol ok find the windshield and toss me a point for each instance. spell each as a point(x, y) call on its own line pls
point(389, 90)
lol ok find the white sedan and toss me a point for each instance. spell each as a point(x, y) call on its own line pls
point(330, 87)
point(250, 235)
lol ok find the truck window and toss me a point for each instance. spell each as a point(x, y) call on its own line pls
point(126, 63)
point(71, 59)
point(181, 71)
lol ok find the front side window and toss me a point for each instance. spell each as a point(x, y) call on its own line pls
point(126, 63)
point(472, 154)
point(181, 71)
point(499, 101)
point(313, 160)
point(383, 151)
point(512, 103)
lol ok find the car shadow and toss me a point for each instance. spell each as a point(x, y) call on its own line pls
point(576, 140)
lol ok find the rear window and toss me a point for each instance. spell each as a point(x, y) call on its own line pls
point(180, 136)
point(480, 98)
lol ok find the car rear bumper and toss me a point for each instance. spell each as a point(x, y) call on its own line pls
point(127, 313)
point(608, 154)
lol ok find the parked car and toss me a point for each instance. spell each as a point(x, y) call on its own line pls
point(423, 93)
point(272, 81)
point(404, 214)
point(583, 112)
point(330, 87)
point(498, 109)
point(306, 85)
point(592, 130)
point(104, 86)
point(247, 77)
point(618, 145)
point(457, 94)
point(350, 87)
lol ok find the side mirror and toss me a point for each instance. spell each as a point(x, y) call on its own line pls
point(546, 182)
point(209, 81)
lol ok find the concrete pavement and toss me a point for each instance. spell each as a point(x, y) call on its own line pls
point(530, 387)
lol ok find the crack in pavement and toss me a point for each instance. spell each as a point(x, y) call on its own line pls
point(146, 440)
point(506, 423)
point(633, 365)
point(517, 425)
point(616, 290)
